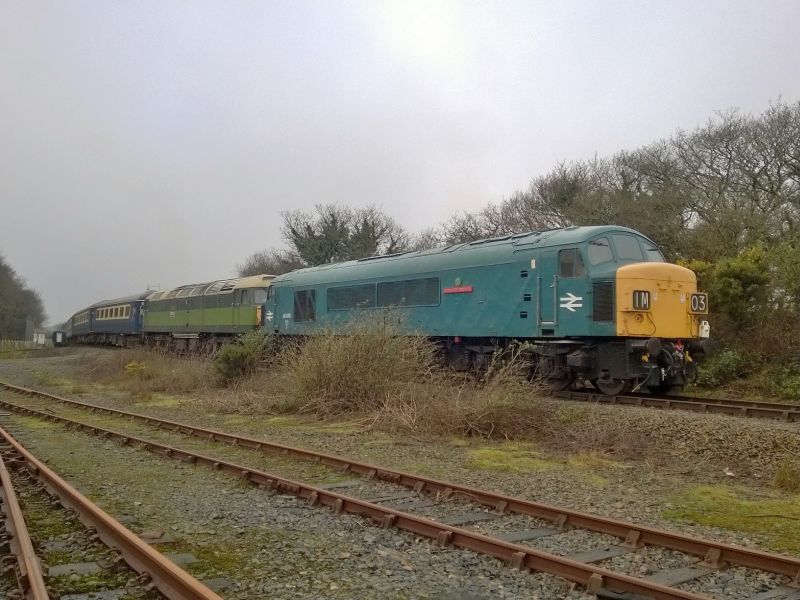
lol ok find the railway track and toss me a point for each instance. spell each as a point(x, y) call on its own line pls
point(156, 571)
point(511, 529)
point(724, 406)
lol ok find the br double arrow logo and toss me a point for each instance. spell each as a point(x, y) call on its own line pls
point(571, 302)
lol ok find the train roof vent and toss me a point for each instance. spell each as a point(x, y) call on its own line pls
point(381, 256)
point(228, 285)
point(489, 240)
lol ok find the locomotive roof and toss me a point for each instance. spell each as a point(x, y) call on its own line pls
point(496, 250)
point(212, 287)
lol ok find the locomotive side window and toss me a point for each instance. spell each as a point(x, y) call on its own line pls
point(600, 251)
point(304, 306)
point(628, 248)
point(259, 296)
point(413, 292)
point(570, 263)
point(351, 296)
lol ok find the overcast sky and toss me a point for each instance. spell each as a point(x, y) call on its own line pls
point(151, 142)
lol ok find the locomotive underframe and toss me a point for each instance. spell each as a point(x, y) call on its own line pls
point(656, 364)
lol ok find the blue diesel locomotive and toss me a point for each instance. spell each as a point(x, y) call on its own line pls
point(595, 305)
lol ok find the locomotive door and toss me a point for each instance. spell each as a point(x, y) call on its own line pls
point(572, 283)
point(239, 304)
point(546, 290)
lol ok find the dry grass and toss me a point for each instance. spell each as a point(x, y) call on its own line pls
point(787, 476)
point(391, 382)
point(331, 374)
point(144, 372)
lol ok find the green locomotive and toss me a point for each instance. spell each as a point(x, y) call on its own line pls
point(200, 317)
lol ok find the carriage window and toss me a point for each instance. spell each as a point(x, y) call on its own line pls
point(351, 296)
point(600, 251)
point(628, 248)
point(413, 292)
point(304, 306)
point(570, 263)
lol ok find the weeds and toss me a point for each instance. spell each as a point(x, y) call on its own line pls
point(361, 370)
point(240, 359)
point(787, 477)
point(144, 372)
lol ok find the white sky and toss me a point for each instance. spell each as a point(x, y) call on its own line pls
point(150, 142)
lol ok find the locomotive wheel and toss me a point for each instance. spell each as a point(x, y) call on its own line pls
point(612, 387)
point(560, 384)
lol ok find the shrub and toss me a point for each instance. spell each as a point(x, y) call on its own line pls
point(333, 373)
point(722, 368)
point(136, 368)
point(240, 359)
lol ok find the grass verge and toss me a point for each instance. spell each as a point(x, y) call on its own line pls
point(776, 517)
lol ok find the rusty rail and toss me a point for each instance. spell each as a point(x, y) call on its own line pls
point(29, 574)
point(639, 534)
point(723, 406)
point(594, 578)
point(166, 576)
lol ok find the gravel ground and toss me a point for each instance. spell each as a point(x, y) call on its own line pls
point(59, 538)
point(383, 562)
point(737, 583)
point(270, 546)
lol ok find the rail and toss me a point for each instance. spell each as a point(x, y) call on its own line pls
point(166, 576)
point(30, 578)
point(713, 553)
point(725, 406)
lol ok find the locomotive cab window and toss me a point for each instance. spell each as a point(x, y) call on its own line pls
point(260, 296)
point(570, 263)
point(304, 306)
point(628, 248)
point(600, 251)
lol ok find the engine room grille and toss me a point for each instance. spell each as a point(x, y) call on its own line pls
point(603, 301)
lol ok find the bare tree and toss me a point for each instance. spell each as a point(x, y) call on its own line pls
point(270, 262)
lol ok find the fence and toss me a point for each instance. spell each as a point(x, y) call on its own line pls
point(21, 344)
